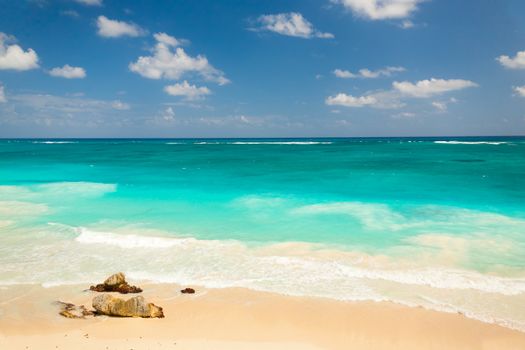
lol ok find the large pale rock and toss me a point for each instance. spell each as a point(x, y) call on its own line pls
point(107, 304)
point(116, 283)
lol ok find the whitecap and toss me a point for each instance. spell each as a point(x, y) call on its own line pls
point(282, 143)
point(54, 142)
point(265, 143)
point(471, 142)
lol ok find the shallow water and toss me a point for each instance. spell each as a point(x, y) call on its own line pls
point(437, 222)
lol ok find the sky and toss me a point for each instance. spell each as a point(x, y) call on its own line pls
point(261, 68)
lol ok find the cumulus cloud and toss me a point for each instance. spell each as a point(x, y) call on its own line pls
point(393, 99)
point(381, 9)
point(367, 73)
point(520, 90)
point(113, 29)
point(3, 99)
point(345, 100)
point(169, 61)
point(167, 39)
point(184, 89)
point(290, 24)
point(14, 57)
point(377, 99)
point(90, 2)
point(432, 87)
point(516, 62)
point(68, 72)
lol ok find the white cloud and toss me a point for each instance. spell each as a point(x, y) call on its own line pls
point(345, 74)
point(428, 88)
point(173, 64)
point(377, 99)
point(120, 106)
point(168, 114)
point(65, 111)
point(407, 24)
point(90, 2)
point(520, 90)
point(14, 57)
point(368, 74)
point(440, 106)
point(167, 39)
point(516, 62)
point(190, 92)
point(3, 99)
point(68, 72)
point(381, 9)
point(113, 29)
point(291, 24)
point(345, 100)
point(403, 115)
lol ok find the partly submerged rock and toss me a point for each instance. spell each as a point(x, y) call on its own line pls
point(188, 291)
point(116, 283)
point(107, 304)
point(69, 310)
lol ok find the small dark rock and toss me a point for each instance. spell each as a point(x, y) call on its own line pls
point(124, 288)
point(188, 291)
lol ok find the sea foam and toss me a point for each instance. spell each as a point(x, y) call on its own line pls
point(471, 142)
point(289, 268)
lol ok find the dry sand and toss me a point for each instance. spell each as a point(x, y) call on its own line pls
point(239, 319)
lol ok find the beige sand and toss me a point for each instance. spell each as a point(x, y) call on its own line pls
point(239, 319)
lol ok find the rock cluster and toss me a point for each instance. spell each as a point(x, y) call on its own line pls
point(107, 304)
point(116, 283)
point(188, 291)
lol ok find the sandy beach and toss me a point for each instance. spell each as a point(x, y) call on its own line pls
point(238, 319)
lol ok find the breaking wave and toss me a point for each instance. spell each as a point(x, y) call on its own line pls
point(472, 142)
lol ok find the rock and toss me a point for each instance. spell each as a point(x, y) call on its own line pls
point(115, 280)
point(116, 283)
point(72, 311)
point(107, 304)
point(188, 291)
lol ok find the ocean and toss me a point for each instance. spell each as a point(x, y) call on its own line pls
point(431, 222)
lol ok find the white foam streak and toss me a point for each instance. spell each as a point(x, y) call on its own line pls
point(127, 241)
point(471, 142)
point(283, 143)
point(262, 143)
point(54, 142)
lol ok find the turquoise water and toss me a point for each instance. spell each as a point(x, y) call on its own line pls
point(437, 222)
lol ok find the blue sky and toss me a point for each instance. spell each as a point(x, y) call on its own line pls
point(107, 68)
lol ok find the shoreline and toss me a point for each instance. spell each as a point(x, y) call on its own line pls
point(237, 318)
